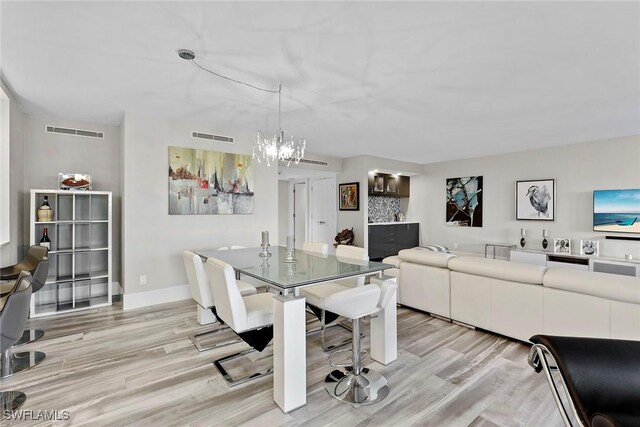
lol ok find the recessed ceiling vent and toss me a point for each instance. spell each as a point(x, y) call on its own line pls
point(211, 137)
point(75, 132)
point(314, 162)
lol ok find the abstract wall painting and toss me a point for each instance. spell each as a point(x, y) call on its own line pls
point(203, 182)
point(536, 200)
point(464, 201)
point(349, 196)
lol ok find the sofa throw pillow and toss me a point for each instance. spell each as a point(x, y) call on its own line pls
point(435, 248)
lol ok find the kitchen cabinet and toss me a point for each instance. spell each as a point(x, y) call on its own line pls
point(389, 239)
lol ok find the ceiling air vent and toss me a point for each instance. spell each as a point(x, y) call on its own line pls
point(75, 132)
point(211, 137)
point(314, 162)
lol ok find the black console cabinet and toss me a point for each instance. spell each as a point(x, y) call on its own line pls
point(389, 239)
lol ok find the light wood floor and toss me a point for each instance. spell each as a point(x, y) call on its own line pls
point(110, 367)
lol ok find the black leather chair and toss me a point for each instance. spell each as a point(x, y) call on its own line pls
point(14, 311)
point(34, 255)
point(600, 378)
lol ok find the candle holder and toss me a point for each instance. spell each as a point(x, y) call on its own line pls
point(290, 259)
point(291, 269)
point(523, 241)
point(545, 242)
point(265, 251)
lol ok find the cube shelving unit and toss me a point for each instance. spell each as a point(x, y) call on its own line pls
point(80, 257)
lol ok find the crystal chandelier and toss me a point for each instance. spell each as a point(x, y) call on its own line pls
point(281, 147)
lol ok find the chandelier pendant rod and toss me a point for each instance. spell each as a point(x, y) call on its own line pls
point(273, 149)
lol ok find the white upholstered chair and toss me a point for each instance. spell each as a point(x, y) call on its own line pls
point(201, 292)
point(358, 385)
point(316, 294)
point(316, 248)
point(250, 317)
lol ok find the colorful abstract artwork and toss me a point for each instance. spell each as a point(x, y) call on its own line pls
point(203, 182)
point(464, 201)
point(349, 196)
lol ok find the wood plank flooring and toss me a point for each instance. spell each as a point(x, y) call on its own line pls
point(111, 368)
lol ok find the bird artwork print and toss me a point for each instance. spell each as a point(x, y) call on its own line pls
point(539, 198)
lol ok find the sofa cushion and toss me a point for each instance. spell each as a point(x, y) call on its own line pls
point(420, 256)
point(498, 269)
point(611, 286)
point(393, 260)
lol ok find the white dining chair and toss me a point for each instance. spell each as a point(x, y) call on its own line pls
point(316, 248)
point(202, 294)
point(250, 317)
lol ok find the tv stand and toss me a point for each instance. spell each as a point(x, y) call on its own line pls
point(577, 262)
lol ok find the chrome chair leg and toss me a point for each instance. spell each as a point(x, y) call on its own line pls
point(322, 329)
point(11, 401)
point(224, 328)
point(539, 361)
point(29, 336)
point(237, 381)
point(12, 363)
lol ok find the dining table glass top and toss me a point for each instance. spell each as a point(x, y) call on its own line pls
point(308, 269)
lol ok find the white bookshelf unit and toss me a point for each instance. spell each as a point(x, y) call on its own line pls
point(80, 257)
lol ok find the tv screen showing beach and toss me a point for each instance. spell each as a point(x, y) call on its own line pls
point(616, 211)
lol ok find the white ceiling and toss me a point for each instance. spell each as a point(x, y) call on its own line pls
point(414, 81)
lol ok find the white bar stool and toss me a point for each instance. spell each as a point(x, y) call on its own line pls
point(358, 385)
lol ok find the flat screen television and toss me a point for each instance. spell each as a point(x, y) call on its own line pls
point(616, 211)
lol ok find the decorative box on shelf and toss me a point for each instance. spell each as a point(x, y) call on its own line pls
point(80, 255)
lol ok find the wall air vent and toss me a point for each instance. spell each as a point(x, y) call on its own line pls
point(211, 137)
point(75, 132)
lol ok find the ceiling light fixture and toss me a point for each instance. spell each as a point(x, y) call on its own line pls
point(282, 146)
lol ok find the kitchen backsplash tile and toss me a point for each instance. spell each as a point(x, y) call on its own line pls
point(383, 209)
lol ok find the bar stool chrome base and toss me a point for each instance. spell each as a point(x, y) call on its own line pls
point(11, 400)
point(364, 389)
point(29, 336)
point(12, 363)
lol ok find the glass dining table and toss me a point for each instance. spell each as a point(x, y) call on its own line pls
point(289, 318)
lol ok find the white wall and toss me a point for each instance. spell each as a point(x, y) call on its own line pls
point(47, 154)
point(354, 169)
point(283, 211)
point(578, 170)
point(153, 240)
point(12, 251)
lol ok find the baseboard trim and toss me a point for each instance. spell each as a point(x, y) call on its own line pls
point(158, 296)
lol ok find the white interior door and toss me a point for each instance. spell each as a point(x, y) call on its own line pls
point(299, 213)
point(322, 209)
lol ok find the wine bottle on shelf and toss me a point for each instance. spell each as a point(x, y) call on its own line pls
point(45, 241)
point(45, 213)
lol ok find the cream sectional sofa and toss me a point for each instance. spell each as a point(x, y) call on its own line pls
point(520, 300)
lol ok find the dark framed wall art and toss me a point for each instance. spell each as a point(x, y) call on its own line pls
point(349, 196)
